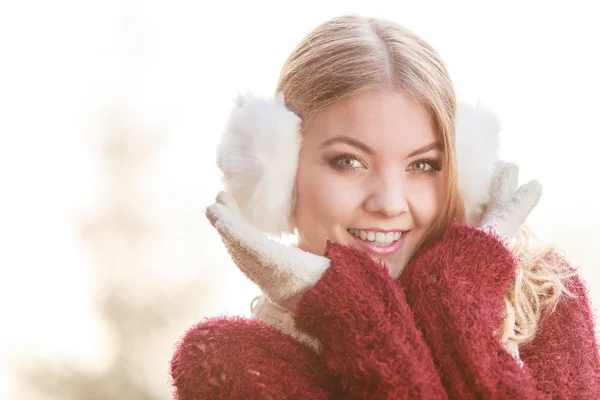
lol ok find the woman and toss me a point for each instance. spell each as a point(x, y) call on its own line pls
point(397, 288)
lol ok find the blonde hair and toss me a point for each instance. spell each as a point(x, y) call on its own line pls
point(539, 284)
point(351, 54)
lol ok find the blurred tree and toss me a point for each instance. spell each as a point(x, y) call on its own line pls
point(143, 311)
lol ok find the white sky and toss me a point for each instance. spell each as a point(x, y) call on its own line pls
point(177, 65)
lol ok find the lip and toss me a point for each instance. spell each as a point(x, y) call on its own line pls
point(377, 250)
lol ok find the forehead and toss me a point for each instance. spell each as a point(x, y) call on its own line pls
point(385, 121)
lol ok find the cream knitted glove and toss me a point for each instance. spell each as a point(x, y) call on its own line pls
point(281, 272)
point(511, 204)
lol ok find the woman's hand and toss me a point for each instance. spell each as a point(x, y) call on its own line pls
point(458, 283)
point(511, 204)
point(283, 273)
point(475, 259)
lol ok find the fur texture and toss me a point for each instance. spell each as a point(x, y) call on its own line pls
point(258, 156)
point(477, 144)
point(428, 336)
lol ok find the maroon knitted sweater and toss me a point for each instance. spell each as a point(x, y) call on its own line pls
point(428, 335)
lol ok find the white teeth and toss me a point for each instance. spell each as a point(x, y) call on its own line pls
point(377, 238)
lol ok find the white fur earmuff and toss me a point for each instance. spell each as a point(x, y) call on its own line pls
point(258, 156)
point(477, 145)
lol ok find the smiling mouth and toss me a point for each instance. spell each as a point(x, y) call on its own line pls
point(379, 239)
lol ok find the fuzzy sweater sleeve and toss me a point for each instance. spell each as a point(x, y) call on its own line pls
point(563, 356)
point(237, 358)
point(455, 289)
point(370, 344)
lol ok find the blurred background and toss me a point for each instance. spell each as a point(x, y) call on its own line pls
point(110, 113)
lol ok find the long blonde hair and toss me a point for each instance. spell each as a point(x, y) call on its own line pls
point(351, 54)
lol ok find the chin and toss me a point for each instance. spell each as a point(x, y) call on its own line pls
point(396, 268)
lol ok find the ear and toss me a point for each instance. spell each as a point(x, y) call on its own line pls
point(477, 146)
point(258, 156)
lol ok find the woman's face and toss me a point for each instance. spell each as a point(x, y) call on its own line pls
point(369, 176)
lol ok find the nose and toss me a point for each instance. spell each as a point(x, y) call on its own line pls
point(387, 197)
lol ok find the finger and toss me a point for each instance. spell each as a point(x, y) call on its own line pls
point(506, 184)
point(498, 167)
point(525, 200)
point(512, 181)
point(228, 201)
point(212, 214)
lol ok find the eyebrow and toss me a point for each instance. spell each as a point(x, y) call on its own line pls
point(367, 149)
point(426, 148)
point(348, 140)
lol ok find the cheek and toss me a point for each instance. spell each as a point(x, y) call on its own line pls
point(324, 201)
point(427, 201)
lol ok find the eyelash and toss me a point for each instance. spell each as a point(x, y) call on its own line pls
point(334, 162)
point(434, 164)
